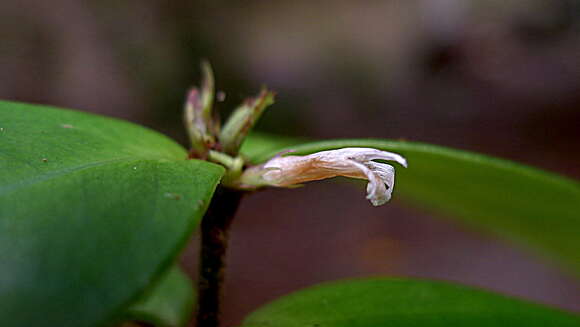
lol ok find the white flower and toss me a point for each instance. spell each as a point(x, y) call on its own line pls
point(285, 171)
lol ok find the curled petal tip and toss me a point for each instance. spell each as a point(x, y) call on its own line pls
point(403, 162)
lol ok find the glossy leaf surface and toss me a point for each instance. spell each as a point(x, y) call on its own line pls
point(533, 207)
point(92, 210)
point(383, 302)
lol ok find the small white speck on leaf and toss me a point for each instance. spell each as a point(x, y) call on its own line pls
point(173, 196)
point(66, 126)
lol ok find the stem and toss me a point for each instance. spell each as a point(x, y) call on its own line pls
point(215, 227)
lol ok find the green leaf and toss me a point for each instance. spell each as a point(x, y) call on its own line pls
point(92, 210)
point(168, 304)
point(530, 206)
point(388, 302)
point(259, 147)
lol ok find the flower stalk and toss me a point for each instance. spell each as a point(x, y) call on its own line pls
point(215, 228)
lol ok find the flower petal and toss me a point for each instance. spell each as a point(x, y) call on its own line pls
point(286, 171)
point(369, 154)
point(386, 173)
point(377, 191)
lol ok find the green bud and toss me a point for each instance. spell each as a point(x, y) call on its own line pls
point(242, 120)
point(199, 122)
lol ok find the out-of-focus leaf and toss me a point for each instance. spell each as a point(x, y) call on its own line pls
point(384, 302)
point(530, 206)
point(168, 304)
point(258, 146)
point(92, 210)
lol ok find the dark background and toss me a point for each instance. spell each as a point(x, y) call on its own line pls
point(493, 76)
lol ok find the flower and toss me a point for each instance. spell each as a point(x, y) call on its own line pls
point(287, 171)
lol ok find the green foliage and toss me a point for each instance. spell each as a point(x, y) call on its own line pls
point(383, 302)
point(92, 210)
point(168, 304)
point(536, 208)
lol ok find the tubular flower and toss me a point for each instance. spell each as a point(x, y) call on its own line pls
point(287, 171)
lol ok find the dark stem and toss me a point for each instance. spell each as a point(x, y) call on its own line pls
point(215, 227)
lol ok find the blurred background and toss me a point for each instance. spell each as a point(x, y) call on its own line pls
point(498, 77)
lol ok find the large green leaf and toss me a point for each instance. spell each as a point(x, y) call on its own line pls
point(539, 209)
point(168, 304)
point(383, 302)
point(92, 210)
